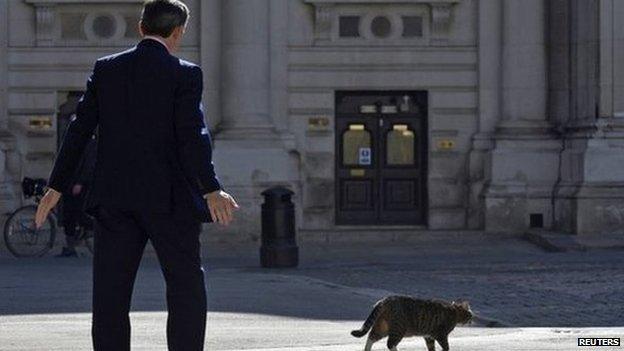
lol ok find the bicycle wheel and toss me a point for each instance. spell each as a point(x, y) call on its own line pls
point(21, 237)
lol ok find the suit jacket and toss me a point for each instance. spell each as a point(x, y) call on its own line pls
point(83, 174)
point(154, 151)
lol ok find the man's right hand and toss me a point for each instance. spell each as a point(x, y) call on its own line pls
point(47, 203)
point(221, 206)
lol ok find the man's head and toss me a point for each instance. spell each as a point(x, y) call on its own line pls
point(166, 19)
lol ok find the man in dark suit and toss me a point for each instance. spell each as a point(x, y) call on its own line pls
point(72, 204)
point(153, 166)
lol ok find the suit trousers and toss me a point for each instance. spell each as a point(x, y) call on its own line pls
point(72, 214)
point(119, 242)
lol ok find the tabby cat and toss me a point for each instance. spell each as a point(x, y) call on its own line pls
point(402, 316)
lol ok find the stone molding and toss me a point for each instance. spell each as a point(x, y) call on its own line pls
point(79, 2)
point(440, 16)
point(46, 15)
point(323, 21)
point(325, 11)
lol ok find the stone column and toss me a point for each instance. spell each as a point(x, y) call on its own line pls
point(524, 79)
point(584, 62)
point(245, 69)
point(613, 31)
point(559, 61)
point(279, 63)
point(490, 33)
point(4, 48)
point(249, 154)
point(9, 170)
point(210, 33)
point(590, 195)
point(524, 165)
point(606, 38)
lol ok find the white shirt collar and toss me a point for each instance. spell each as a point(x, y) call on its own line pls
point(157, 39)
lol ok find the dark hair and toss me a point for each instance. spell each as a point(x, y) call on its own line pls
point(161, 17)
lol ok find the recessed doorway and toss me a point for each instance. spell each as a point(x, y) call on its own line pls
point(381, 157)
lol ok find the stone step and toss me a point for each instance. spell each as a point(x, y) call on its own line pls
point(353, 234)
point(563, 242)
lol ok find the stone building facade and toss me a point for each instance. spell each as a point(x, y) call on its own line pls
point(497, 115)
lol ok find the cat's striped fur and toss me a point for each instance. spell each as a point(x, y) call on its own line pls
point(402, 316)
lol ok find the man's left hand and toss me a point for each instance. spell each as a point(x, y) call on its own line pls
point(221, 206)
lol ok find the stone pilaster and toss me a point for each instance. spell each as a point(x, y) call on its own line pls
point(246, 69)
point(524, 163)
point(9, 163)
point(250, 152)
point(490, 33)
point(278, 66)
point(210, 36)
point(523, 64)
point(590, 195)
point(4, 54)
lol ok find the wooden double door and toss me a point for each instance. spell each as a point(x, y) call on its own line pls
point(381, 157)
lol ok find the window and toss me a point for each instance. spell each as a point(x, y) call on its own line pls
point(381, 27)
point(349, 26)
point(400, 143)
point(412, 26)
point(380, 22)
point(72, 26)
point(104, 26)
point(356, 146)
point(132, 30)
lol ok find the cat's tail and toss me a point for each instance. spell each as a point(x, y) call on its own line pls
point(372, 317)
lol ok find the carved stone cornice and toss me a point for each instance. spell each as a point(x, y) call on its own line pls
point(376, 1)
point(45, 15)
point(323, 21)
point(79, 2)
point(441, 14)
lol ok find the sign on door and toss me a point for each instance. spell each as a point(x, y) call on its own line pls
point(364, 156)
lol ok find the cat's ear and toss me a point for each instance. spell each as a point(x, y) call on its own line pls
point(462, 304)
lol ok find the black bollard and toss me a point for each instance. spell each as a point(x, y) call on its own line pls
point(279, 248)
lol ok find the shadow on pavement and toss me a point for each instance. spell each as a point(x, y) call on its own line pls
point(48, 285)
point(509, 281)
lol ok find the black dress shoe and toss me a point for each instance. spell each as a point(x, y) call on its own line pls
point(67, 252)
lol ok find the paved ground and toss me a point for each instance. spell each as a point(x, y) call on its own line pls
point(44, 303)
point(258, 332)
point(516, 284)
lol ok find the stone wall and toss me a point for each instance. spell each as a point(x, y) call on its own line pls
point(49, 50)
point(443, 62)
point(589, 196)
point(527, 93)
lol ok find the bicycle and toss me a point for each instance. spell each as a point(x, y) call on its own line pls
point(20, 234)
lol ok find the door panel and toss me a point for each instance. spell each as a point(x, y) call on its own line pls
point(358, 194)
point(356, 171)
point(381, 157)
point(400, 174)
point(401, 194)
